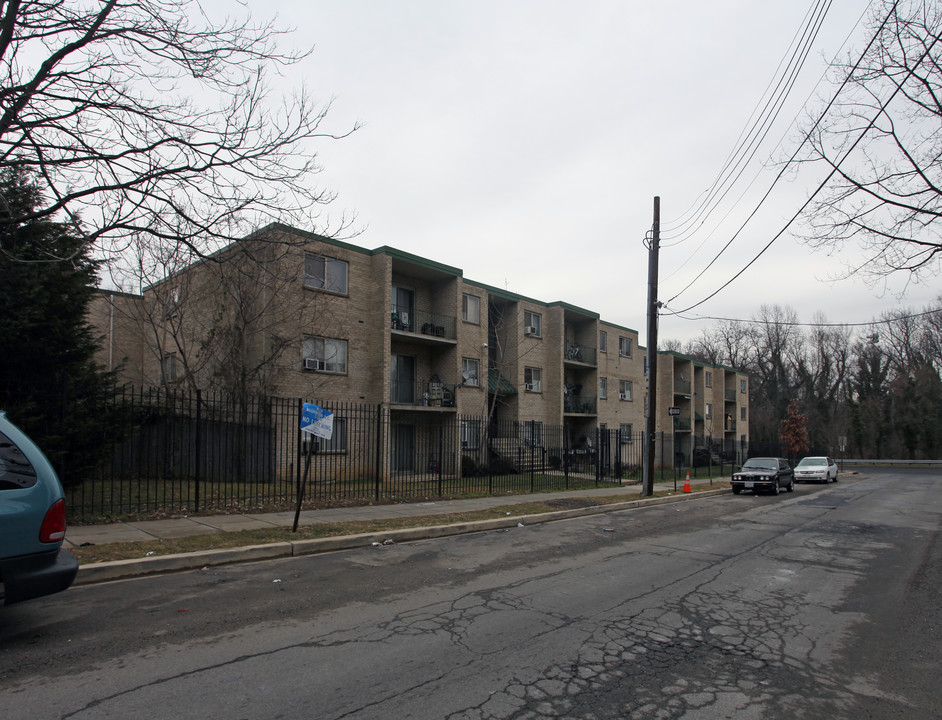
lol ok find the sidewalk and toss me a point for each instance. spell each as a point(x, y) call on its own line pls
point(144, 530)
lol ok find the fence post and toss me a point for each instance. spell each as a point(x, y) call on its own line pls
point(300, 442)
point(197, 449)
point(441, 450)
point(379, 448)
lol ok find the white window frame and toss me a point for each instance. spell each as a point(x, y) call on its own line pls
point(625, 430)
point(319, 348)
point(470, 367)
point(626, 390)
point(603, 388)
point(742, 386)
point(742, 413)
point(708, 411)
point(603, 341)
point(326, 273)
point(624, 346)
point(534, 321)
point(471, 309)
point(170, 367)
point(470, 434)
point(533, 379)
point(708, 378)
point(337, 444)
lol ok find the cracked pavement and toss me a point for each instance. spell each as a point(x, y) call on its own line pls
point(730, 607)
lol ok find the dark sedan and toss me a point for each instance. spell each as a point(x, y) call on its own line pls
point(765, 474)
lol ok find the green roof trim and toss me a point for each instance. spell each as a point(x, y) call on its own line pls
point(497, 384)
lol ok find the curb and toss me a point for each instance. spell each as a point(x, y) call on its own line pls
point(140, 567)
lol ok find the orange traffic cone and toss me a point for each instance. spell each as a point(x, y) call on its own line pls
point(687, 484)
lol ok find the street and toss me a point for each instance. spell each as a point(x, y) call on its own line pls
point(822, 603)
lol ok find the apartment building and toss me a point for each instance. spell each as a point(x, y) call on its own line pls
point(294, 314)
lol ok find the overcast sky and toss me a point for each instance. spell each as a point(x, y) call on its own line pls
point(524, 142)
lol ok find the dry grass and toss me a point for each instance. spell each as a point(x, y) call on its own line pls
point(133, 550)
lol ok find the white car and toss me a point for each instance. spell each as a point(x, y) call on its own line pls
point(821, 469)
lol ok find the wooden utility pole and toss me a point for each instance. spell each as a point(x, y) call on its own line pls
point(650, 370)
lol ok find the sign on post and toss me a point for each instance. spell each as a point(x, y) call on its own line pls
point(317, 421)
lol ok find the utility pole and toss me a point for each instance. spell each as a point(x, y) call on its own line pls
point(647, 485)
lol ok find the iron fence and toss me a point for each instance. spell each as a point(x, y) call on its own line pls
point(178, 453)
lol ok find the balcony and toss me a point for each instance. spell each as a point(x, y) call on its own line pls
point(681, 387)
point(681, 424)
point(423, 394)
point(580, 404)
point(729, 426)
point(421, 323)
point(576, 353)
point(730, 394)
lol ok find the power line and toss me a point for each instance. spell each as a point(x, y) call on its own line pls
point(883, 321)
point(835, 168)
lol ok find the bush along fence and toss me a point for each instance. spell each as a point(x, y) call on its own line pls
point(170, 453)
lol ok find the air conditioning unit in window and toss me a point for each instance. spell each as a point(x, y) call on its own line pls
point(622, 396)
point(314, 364)
point(528, 387)
point(529, 330)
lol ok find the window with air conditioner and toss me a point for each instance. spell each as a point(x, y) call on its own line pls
point(625, 390)
point(532, 379)
point(532, 324)
point(325, 354)
point(325, 273)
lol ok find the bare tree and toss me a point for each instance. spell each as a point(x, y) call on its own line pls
point(881, 140)
point(151, 119)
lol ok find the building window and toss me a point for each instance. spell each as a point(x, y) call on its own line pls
point(603, 387)
point(532, 324)
point(625, 390)
point(324, 273)
point(708, 411)
point(469, 372)
point(742, 413)
point(337, 442)
point(742, 386)
point(532, 433)
point(603, 341)
point(624, 346)
point(173, 302)
point(170, 367)
point(708, 379)
point(471, 309)
point(625, 431)
point(325, 354)
point(533, 379)
point(470, 434)
point(403, 301)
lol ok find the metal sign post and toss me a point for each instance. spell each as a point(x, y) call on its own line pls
point(319, 423)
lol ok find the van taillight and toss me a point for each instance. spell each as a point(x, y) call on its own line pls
point(53, 528)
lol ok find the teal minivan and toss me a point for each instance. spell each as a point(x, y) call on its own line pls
point(32, 521)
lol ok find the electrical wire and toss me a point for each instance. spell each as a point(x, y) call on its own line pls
point(783, 323)
point(789, 163)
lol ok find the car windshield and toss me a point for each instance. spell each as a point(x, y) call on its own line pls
point(760, 465)
point(812, 461)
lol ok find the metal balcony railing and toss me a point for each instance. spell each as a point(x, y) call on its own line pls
point(581, 353)
point(682, 386)
point(730, 394)
point(584, 404)
point(424, 323)
point(681, 424)
point(423, 394)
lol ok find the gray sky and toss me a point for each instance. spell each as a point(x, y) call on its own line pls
point(523, 142)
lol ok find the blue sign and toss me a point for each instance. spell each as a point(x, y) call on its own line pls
point(317, 421)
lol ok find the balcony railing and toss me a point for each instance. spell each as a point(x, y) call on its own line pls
point(424, 323)
point(423, 394)
point(681, 424)
point(729, 426)
point(730, 394)
point(584, 404)
point(580, 353)
point(682, 386)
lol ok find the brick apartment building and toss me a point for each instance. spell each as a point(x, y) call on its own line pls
point(293, 314)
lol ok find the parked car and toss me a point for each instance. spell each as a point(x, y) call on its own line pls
point(32, 521)
point(768, 474)
point(822, 469)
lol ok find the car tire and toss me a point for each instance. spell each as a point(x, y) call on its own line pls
point(737, 490)
point(775, 488)
point(791, 486)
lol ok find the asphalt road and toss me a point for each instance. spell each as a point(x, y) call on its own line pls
point(824, 603)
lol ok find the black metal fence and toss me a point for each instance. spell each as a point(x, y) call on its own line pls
point(202, 452)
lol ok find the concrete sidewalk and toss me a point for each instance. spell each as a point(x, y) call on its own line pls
point(174, 528)
point(144, 530)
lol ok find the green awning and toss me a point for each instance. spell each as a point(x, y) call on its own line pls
point(497, 384)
